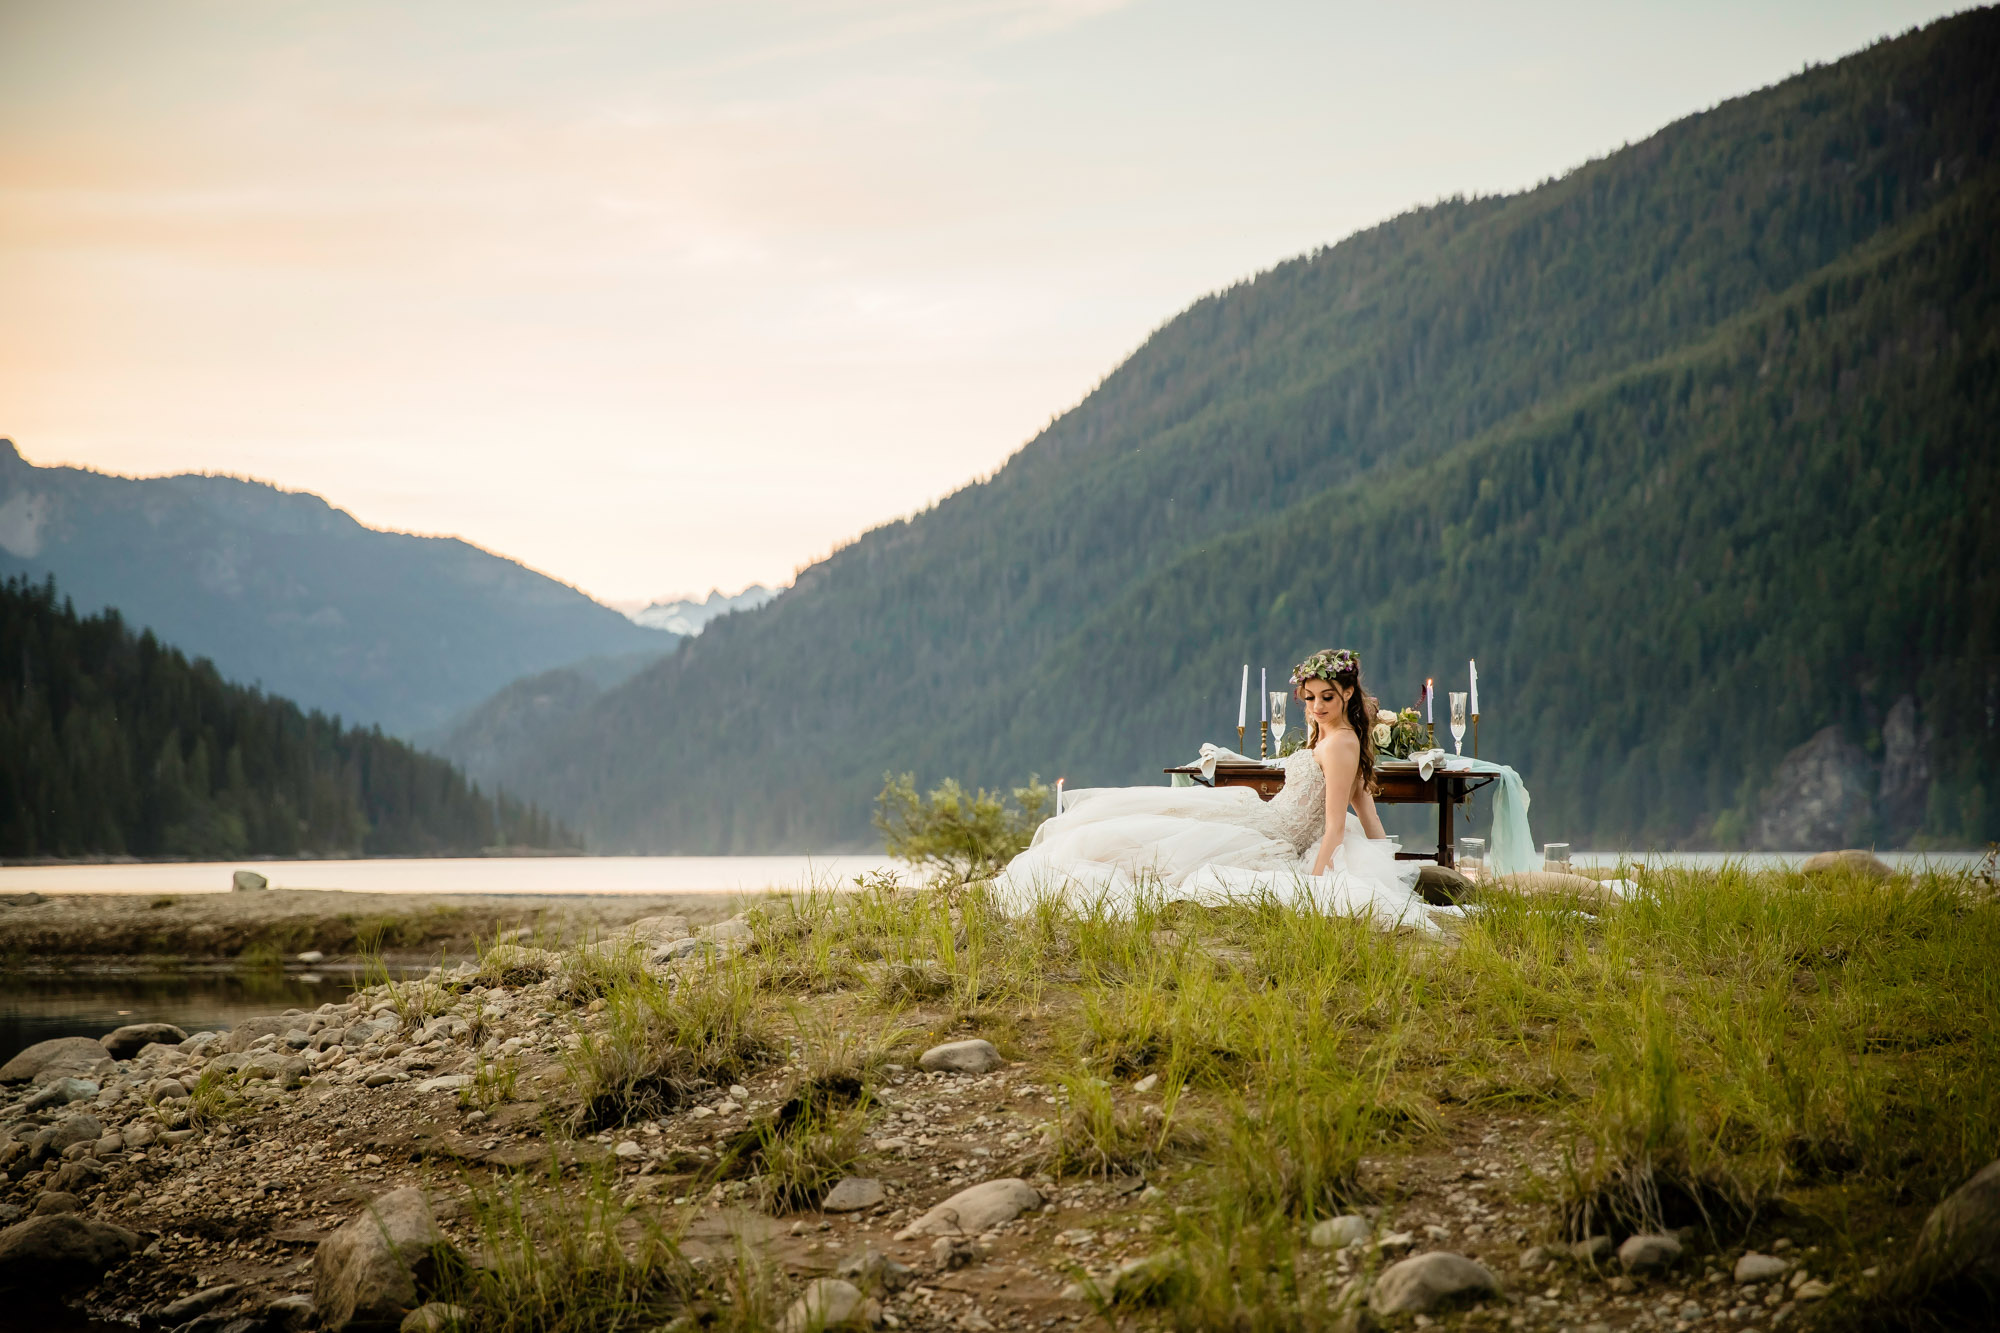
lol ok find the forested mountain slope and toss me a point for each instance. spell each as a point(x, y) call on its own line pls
point(114, 744)
point(1687, 446)
point(282, 590)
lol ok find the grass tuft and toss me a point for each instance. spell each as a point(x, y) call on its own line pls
point(564, 1256)
point(660, 1040)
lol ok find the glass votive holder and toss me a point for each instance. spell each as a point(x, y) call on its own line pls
point(1472, 857)
point(1555, 856)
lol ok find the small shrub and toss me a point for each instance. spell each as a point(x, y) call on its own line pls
point(955, 835)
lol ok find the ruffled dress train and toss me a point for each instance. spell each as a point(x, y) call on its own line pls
point(1111, 846)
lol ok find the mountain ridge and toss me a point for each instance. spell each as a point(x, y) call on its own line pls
point(281, 588)
point(921, 644)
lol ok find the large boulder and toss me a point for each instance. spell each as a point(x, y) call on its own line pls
point(50, 1140)
point(78, 1174)
point(1904, 795)
point(1823, 795)
point(52, 1254)
point(1851, 861)
point(250, 1029)
point(1650, 1252)
point(1441, 887)
point(1426, 1282)
point(1338, 1233)
point(853, 1194)
point(380, 1264)
point(1577, 890)
point(829, 1303)
point(1959, 1245)
point(247, 881)
point(980, 1208)
point(975, 1056)
point(659, 929)
point(126, 1042)
point(61, 1092)
point(58, 1057)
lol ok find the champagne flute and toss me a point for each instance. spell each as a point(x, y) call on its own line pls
point(1458, 721)
point(1277, 719)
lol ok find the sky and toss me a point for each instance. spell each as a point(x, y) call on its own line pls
point(657, 297)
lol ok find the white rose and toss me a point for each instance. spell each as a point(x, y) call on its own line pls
point(1385, 715)
point(1381, 735)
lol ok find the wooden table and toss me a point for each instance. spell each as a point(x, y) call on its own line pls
point(1397, 782)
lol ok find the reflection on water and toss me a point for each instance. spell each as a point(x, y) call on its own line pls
point(36, 1008)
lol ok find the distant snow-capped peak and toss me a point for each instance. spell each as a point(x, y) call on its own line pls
point(685, 615)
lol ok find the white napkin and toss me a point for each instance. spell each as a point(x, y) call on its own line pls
point(1212, 755)
point(1427, 761)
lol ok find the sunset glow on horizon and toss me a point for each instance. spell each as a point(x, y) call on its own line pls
point(656, 297)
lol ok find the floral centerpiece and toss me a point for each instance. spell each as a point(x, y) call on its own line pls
point(1400, 735)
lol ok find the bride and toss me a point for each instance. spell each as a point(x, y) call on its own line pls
point(1215, 844)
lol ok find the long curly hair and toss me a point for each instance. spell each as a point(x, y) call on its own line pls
point(1342, 667)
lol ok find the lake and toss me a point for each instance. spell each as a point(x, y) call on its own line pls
point(648, 874)
point(88, 1004)
point(495, 874)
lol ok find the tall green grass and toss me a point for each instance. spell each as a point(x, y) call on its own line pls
point(661, 1039)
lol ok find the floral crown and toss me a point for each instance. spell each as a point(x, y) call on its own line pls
point(1327, 664)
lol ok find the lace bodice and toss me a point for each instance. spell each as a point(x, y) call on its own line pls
point(1297, 814)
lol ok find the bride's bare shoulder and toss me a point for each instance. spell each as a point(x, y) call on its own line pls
point(1342, 744)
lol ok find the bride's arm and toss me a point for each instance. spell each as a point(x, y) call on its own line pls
point(1339, 758)
point(1364, 805)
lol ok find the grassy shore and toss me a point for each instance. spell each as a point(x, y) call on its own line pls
point(1797, 1066)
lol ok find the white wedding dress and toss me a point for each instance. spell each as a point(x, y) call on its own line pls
point(1111, 845)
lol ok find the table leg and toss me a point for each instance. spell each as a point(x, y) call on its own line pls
point(1445, 802)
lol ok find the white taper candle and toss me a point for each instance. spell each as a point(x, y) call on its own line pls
point(1243, 700)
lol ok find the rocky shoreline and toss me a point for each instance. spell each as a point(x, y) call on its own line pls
point(339, 1169)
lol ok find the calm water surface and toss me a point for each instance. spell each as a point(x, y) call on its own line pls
point(37, 1007)
point(525, 874)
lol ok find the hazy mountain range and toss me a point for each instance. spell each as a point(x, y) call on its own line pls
point(280, 589)
point(1692, 448)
